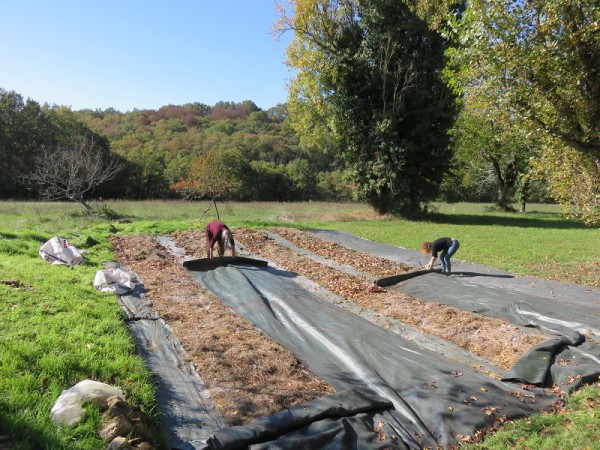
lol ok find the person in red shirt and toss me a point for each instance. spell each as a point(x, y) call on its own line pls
point(218, 233)
point(447, 246)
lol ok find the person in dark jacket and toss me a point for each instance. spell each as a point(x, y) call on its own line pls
point(218, 233)
point(447, 246)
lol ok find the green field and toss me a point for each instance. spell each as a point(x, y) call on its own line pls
point(56, 329)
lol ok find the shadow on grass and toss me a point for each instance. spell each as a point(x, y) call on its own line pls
point(503, 221)
point(17, 433)
point(479, 274)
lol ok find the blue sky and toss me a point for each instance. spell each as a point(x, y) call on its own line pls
point(129, 54)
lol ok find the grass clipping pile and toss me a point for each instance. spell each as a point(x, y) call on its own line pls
point(247, 374)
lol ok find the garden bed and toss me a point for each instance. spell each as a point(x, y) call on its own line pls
point(249, 376)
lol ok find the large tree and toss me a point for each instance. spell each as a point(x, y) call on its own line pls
point(491, 153)
point(370, 75)
point(542, 59)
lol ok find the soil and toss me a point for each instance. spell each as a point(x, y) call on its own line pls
point(248, 375)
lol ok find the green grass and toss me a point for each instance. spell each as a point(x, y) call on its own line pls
point(56, 329)
point(574, 428)
point(539, 243)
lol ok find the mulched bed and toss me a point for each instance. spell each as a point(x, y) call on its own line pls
point(247, 374)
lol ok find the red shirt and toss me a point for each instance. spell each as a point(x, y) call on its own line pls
point(214, 230)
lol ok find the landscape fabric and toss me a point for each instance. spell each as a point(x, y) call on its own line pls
point(433, 401)
point(392, 392)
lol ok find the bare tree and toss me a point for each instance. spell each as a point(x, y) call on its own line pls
point(72, 172)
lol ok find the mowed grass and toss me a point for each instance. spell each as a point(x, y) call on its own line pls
point(56, 329)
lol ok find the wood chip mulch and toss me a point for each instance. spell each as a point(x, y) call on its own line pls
point(248, 375)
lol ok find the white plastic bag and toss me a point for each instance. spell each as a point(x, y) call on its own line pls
point(67, 409)
point(114, 281)
point(59, 251)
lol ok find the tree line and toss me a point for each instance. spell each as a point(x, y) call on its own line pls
point(394, 103)
point(157, 149)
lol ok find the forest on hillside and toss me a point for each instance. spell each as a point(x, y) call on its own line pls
point(157, 148)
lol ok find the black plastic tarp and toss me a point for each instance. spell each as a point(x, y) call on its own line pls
point(187, 414)
point(434, 400)
point(476, 273)
point(319, 424)
point(568, 312)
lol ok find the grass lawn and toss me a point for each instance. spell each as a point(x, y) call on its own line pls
point(56, 329)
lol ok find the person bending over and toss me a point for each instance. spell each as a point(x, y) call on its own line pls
point(447, 246)
point(218, 233)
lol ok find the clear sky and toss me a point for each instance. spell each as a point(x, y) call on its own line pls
point(143, 54)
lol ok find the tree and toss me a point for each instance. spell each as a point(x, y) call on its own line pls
point(490, 146)
point(73, 171)
point(211, 176)
point(574, 179)
point(548, 51)
point(542, 56)
point(370, 73)
point(302, 179)
point(24, 129)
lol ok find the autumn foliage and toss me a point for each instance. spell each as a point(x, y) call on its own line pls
point(210, 177)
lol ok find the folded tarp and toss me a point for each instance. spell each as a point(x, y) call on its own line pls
point(435, 401)
point(568, 360)
point(212, 263)
point(318, 424)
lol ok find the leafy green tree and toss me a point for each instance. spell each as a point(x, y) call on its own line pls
point(491, 148)
point(146, 172)
point(333, 186)
point(302, 179)
point(277, 113)
point(268, 181)
point(541, 57)
point(25, 127)
point(372, 72)
point(574, 179)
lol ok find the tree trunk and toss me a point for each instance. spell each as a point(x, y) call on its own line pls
point(87, 207)
point(503, 197)
point(503, 187)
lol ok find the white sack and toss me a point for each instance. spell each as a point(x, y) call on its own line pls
point(67, 409)
point(114, 281)
point(59, 251)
